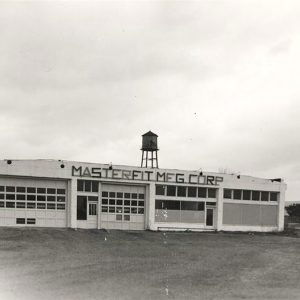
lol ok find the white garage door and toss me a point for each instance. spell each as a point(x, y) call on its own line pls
point(123, 207)
point(33, 202)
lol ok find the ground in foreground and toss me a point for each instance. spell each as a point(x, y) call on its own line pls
point(95, 264)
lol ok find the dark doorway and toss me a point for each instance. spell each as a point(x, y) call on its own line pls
point(81, 207)
point(209, 217)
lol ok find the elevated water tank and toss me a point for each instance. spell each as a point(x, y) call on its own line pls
point(149, 141)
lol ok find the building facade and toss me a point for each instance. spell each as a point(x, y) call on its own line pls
point(50, 193)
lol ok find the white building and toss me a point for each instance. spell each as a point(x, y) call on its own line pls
point(49, 193)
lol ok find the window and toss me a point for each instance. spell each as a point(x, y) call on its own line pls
point(211, 193)
point(227, 193)
point(53, 191)
point(41, 206)
point(140, 210)
point(1, 196)
point(61, 191)
point(119, 195)
point(112, 194)
point(1, 188)
point(10, 189)
point(273, 196)
point(119, 202)
point(181, 191)
point(171, 190)
point(167, 204)
point(50, 198)
point(104, 194)
point(133, 196)
point(1, 203)
point(40, 198)
point(31, 205)
point(126, 217)
point(119, 210)
point(133, 210)
point(20, 189)
point(192, 205)
point(141, 196)
point(133, 203)
point(10, 196)
point(20, 204)
point(92, 198)
point(20, 220)
point(104, 208)
point(160, 189)
point(31, 190)
point(246, 195)
point(30, 221)
point(20, 197)
point(127, 195)
point(112, 202)
point(41, 190)
point(61, 199)
point(10, 204)
point(61, 206)
point(112, 209)
point(50, 206)
point(264, 196)
point(119, 217)
point(104, 201)
point(202, 192)
point(192, 191)
point(92, 209)
point(95, 186)
point(255, 195)
point(237, 194)
point(127, 202)
point(211, 203)
point(141, 203)
point(31, 197)
point(80, 185)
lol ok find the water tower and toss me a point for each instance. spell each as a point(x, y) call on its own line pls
point(149, 148)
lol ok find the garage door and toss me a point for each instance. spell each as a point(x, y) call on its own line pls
point(33, 202)
point(123, 207)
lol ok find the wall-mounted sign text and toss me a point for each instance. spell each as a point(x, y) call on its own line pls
point(139, 175)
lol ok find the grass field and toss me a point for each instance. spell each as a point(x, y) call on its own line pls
point(90, 264)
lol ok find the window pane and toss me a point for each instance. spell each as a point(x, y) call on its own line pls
point(133, 210)
point(20, 189)
point(41, 190)
point(112, 202)
point(1, 203)
point(41, 198)
point(126, 217)
point(104, 194)
point(60, 206)
point(166, 204)
point(134, 196)
point(112, 209)
point(181, 191)
point(160, 189)
point(119, 210)
point(264, 196)
point(20, 220)
point(104, 208)
point(10, 196)
point(273, 196)
point(95, 185)
point(119, 202)
point(50, 206)
point(104, 201)
point(119, 217)
point(141, 196)
point(92, 209)
point(211, 193)
point(10, 204)
point(127, 195)
point(192, 191)
point(61, 191)
point(30, 204)
point(171, 190)
point(2, 196)
point(53, 191)
point(41, 206)
point(246, 195)
point(119, 195)
point(51, 198)
point(237, 194)
point(227, 193)
point(255, 195)
point(87, 186)
point(127, 202)
point(192, 205)
point(31, 190)
point(92, 198)
point(133, 203)
point(30, 221)
point(20, 197)
point(10, 189)
point(31, 197)
point(60, 199)
point(20, 204)
point(1, 188)
point(112, 194)
point(140, 210)
point(202, 192)
point(141, 203)
point(211, 203)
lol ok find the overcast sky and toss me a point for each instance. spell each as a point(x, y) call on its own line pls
point(218, 81)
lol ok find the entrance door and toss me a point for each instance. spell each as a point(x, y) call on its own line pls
point(81, 207)
point(209, 217)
